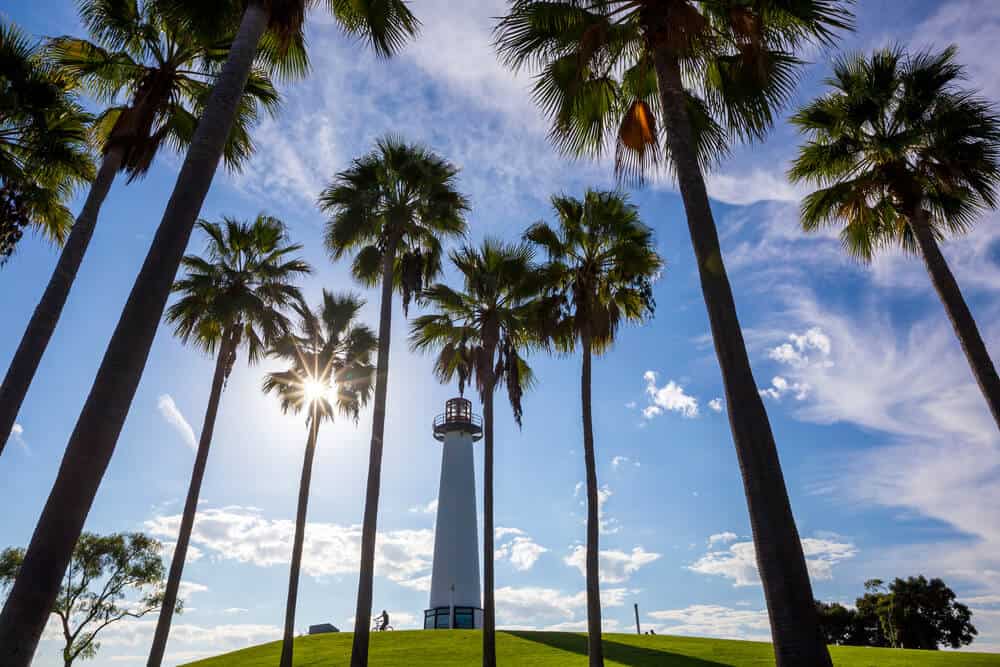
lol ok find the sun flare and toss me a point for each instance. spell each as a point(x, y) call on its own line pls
point(315, 390)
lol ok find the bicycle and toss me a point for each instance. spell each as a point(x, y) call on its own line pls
point(377, 627)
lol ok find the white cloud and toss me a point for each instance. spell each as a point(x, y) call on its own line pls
point(608, 525)
point(615, 566)
point(810, 347)
point(721, 538)
point(715, 404)
point(244, 535)
point(631, 405)
point(168, 409)
point(670, 397)
point(618, 461)
point(235, 610)
point(747, 188)
point(534, 606)
point(17, 437)
point(705, 620)
point(521, 550)
point(430, 508)
point(780, 386)
point(739, 563)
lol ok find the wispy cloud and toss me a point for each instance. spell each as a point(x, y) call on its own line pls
point(428, 508)
point(615, 566)
point(738, 561)
point(170, 412)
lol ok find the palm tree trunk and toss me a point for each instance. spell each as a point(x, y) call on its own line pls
point(222, 364)
point(489, 598)
point(43, 321)
point(595, 649)
point(96, 433)
point(780, 560)
point(363, 612)
point(961, 317)
point(300, 534)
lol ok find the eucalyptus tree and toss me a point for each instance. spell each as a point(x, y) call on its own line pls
point(233, 298)
point(903, 156)
point(390, 209)
point(154, 78)
point(330, 371)
point(481, 332)
point(602, 262)
point(44, 145)
point(671, 84)
point(269, 33)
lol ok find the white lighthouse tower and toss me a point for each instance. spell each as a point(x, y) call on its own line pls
point(455, 593)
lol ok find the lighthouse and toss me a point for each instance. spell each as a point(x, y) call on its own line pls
point(455, 593)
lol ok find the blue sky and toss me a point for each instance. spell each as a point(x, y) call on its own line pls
point(889, 453)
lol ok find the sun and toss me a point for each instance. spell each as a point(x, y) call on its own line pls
point(315, 390)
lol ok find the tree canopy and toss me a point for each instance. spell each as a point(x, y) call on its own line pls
point(914, 613)
point(110, 578)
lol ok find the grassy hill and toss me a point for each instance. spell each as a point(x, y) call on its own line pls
point(452, 648)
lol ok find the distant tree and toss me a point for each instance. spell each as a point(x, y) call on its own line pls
point(101, 574)
point(838, 624)
point(914, 613)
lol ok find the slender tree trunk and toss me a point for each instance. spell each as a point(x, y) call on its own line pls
point(961, 317)
point(489, 597)
point(780, 560)
point(43, 321)
point(595, 649)
point(222, 364)
point(96, 433)
point(363, 612)
point(300, 534)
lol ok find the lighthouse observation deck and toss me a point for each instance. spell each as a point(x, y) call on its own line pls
point(458, 416)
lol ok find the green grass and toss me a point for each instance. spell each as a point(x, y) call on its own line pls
point(451, 648)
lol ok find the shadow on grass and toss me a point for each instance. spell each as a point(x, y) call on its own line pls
point(634, 656)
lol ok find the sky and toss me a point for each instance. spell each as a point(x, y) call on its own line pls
point(890, 456)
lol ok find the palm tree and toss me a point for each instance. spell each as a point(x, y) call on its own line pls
point(270, 32)
point(602, 263)
point(672, 83)
point(481, 333)
point(389, 208)
point(330, 370)
point(44, 145)
point(164, 75)
point(233, 298)
point(902, 156)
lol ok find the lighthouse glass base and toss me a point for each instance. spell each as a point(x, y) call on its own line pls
point(466, 618)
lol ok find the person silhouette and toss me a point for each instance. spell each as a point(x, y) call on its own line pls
point(383, 620)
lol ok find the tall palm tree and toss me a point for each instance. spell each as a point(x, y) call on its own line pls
point(902, 156)
point(330, 371)
point(44, 145)
point(390, 208)
point(155, 78)
point(233, 298)
point(602, 262)
point(481, 333)
point(268, 31)
point(671, 83)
